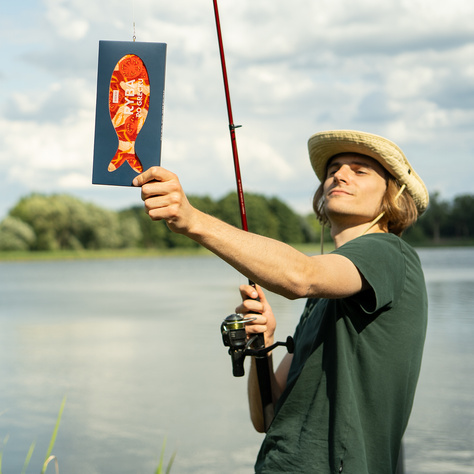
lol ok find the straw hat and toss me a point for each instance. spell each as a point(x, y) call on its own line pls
point(324, 145)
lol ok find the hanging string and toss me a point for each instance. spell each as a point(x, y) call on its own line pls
point(322, 239)
point(133, 20)
point(383, 213)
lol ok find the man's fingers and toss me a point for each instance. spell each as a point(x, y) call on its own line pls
point(255, 328)
point(257, 323)
point(250, 306)
point(150, 174)
point(153, 207)
point(155, 173)
point(248, 291)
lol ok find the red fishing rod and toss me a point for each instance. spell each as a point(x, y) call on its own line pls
point(233, 329)
point(232, 127)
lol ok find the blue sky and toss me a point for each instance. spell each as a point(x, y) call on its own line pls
point(403, 69)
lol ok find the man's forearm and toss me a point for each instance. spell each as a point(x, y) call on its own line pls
point(259, 258)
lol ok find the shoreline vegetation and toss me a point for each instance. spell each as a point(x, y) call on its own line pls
point(60, 226)
point(135, 253)
point(104, 254)
point(99, 254)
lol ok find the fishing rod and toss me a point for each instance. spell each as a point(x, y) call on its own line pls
point(233, 328)
point(232, 126)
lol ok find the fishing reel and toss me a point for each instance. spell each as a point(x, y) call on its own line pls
point(234, 336)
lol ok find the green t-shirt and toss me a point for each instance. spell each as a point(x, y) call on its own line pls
point(352, 381)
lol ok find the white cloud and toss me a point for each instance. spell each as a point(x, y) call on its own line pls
point(74, 181)
point(36, 153)
point(67, 18)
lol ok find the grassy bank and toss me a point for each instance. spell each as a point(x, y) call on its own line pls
point(98, 254)
point(309, 249)
point(13, 256)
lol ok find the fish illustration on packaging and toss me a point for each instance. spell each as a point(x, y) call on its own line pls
point(128, 131)
point(129, 101)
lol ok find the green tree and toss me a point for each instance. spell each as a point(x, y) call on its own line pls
point(204, 203)
point(312, 228)
point(96, 228)
point(16, 234)
point(265, 216)
point(292, 228)
point(432, 224)
point(152, 234)
point(227, 209)
point(63, 222)
point(416, 235)
point(260, 217)
point(130, 232)
point(462, 216)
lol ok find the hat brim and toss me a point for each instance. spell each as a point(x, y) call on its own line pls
point(324, 145)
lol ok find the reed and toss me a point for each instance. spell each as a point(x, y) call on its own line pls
point(49, 457)
point(28, 457)
point(159, 469)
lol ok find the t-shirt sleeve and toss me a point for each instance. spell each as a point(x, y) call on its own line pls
point(380, 260)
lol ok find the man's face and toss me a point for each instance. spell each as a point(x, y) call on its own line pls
point(353, 189)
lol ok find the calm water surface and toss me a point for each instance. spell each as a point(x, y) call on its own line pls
point(135, 346)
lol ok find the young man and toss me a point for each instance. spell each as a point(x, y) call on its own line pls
point(344, 397)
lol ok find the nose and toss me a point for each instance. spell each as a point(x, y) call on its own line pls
point(342, 174)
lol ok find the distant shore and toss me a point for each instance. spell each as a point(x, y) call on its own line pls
point(15, 256)
point(12, 256)
point(310, 249)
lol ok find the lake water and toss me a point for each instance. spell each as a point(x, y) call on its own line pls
point(136, 347)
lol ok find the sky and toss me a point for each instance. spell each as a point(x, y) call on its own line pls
point(403, 69)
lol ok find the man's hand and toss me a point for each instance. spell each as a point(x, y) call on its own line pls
point(165, 199)
point(251, 307)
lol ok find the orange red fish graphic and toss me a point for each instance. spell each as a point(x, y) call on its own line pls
point(129, 101)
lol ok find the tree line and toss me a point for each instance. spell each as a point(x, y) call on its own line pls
point(445, 222)
point(63, 222)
